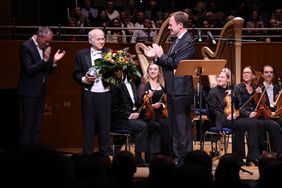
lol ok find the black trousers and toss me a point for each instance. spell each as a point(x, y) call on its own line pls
point(96, 116)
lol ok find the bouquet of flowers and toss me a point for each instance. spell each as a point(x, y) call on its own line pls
point(115, 62)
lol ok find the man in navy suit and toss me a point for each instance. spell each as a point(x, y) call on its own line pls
point(36, 64)
point(95, 95)
point(179, 88)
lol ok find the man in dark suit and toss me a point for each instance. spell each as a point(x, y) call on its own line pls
point(179, 88)
point(126, 116)
point(95, 95)
point(36, 64)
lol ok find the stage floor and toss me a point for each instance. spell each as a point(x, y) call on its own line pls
point(143, 172)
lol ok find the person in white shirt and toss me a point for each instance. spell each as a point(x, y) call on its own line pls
point(95, 95)
point(89, 13)
point(147, 34)
point(272, 91)
point(111, 12)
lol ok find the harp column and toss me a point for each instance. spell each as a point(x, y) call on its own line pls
point(238, 25)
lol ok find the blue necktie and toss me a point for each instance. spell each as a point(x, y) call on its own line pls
point(175, 43)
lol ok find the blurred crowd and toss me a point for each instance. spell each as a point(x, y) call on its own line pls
point(148, 16)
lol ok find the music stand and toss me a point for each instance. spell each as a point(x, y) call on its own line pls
point(199, 68)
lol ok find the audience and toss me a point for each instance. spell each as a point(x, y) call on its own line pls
point(132, 15)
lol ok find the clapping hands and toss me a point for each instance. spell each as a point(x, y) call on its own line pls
point(154, 51)
point(58, 55)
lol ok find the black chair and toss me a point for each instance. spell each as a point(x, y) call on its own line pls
point(121, 138)
point(216, 136)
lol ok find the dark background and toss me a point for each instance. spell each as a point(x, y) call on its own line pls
point(51, 12)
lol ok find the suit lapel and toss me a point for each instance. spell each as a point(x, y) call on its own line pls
point(134, 90)
point(126, 91)
point(180, 43)
point(87, 58)
point(35, 52)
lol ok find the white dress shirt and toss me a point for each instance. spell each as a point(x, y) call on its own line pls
point(269, 90)
point(98, 86)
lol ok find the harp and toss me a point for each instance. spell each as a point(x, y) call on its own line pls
point(232, 31)
point(162, 37)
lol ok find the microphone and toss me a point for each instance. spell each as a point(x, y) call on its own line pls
point(198, 89)
point(200, 36)
point(211, 37)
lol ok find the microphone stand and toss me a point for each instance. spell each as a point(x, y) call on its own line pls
point(230, 58)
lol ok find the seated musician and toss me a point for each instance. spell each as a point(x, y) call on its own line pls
point(220, 109)
point(157, 112)
point(250, 106)
point(126, 108)
point(272, 92)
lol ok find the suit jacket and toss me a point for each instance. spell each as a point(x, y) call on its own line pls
point(122, 104)
point(184, 49)
point(82, 64)
point(33, 71)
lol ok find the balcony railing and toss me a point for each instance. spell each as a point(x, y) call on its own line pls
point(14, 32)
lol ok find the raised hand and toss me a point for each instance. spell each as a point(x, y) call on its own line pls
point(158, 50)
point(59, 55)
point(150, 52)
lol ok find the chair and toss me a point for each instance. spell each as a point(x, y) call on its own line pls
point(216, 136)
point(125, 135)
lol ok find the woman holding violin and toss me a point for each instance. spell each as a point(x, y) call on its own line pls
point(156, 105)
point(251, 102)
point(224, 114)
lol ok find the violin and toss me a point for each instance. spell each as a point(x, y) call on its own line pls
point(165, 110)
point(150, 113)
point(229, 108)
point(262, 109)
point(278, 111)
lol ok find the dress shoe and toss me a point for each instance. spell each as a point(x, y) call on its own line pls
point(243, 163)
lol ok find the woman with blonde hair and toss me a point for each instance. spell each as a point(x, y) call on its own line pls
point(154, 89)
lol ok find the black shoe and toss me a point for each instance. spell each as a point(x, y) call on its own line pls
point(243, 163)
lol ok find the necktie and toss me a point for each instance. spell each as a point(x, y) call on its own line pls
point(175, 43)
